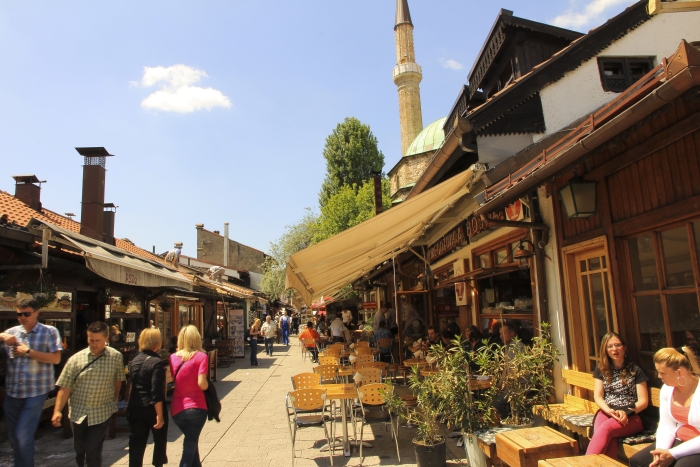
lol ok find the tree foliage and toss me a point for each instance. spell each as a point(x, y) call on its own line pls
point(351, 155)
point(347, 208)
point(296, 237)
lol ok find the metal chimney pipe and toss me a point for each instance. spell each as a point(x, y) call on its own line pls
point(225, 243)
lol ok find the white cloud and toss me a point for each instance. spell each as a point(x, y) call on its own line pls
point(590, 12)
point(451, 64)
point(177, 93)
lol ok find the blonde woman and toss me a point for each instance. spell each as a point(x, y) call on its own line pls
point(678, 435)
point(145, 411)
point(189, 367)
point(254, 333)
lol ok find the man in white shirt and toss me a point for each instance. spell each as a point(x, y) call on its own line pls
point(268, 331)
point(347, 318)
point(386, 315)
point(337, 327)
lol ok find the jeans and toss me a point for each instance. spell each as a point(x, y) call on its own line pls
point(141, 421)
point(87, 442)
point(285, 334)
point(253, 351)
point(643, 458)
point(268, 345)
point(190, 422)
point(22, 417)
point(314, 353)
point(606, 431)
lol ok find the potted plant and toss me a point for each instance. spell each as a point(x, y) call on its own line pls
point(524, 374)
point(463, 410)
point(430, 447)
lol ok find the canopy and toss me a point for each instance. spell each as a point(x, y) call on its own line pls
point(119, 265)
point(324, 268)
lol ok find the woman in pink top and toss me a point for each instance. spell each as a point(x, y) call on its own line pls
point(189, 367)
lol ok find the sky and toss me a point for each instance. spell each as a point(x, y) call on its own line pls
point(218, 111)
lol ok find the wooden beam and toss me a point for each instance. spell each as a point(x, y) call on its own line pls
point(672, 213)
point(651, 145)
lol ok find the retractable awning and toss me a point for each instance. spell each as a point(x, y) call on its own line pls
point(115, 264)
point(324, 268)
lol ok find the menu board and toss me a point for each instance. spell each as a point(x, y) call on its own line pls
point(63, 302)
point(236, 332)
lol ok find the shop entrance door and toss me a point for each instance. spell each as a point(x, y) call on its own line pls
point(590, 299)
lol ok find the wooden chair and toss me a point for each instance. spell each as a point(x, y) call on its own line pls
point(329, 373)
point(363, 350)
point(379, 365)
point(328, 360)
point(368, 376)
point(387, 342)
point(306, 381)
point(308, 408)
point(213, 367)
point(305, 344)
point(362, 359)
point(361, 344)
point(371, 401)
point(223, 350)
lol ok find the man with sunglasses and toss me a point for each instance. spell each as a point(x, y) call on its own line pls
point(33, 349)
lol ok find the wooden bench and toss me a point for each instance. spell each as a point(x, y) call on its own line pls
point(572, 405)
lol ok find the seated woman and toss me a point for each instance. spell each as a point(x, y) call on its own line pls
point(678, 436)
point(621, 393)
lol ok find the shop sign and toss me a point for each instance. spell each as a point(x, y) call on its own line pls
point(369, 305)
point(477, 227)
point(448, 242)
point(461, 293)
point(517, 211)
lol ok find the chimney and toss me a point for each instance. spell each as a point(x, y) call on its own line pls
point(93, 203)
point(27, 190)
point(109, 213)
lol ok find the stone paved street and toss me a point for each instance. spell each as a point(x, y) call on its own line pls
point(253, 429)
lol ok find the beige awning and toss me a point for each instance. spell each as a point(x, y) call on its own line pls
point(324, 268)
point(119, 265)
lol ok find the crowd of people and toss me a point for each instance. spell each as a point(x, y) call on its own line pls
point(90, 384)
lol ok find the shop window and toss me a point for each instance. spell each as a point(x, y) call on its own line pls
point(619, 73)
point(643, 263)
point(501, 256)
point(676, 255)
point(484, 261)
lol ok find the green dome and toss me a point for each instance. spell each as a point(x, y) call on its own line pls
point(429, 139)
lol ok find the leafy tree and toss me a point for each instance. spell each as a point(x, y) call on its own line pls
point(347, 208)
point(296, 237)
point(351, 155)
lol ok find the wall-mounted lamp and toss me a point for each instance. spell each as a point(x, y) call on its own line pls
point(522, 255)
point(579, 198)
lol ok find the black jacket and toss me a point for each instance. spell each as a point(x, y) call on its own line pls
point(147, 372)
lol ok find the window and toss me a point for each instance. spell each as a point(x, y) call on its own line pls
point(665, 282)
point(619, 73)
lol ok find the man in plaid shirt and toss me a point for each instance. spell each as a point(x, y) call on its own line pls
point(91, 378)
point(33, 349)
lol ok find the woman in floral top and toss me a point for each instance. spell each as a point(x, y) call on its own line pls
point(621, 393)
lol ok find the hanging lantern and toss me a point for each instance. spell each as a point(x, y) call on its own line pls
point(522, 255)
point(579, 198)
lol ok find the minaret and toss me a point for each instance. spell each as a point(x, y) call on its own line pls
point(407, 76)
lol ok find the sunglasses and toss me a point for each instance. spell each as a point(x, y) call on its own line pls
point(26, 314)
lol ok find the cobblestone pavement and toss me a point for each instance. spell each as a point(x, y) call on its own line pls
point(253, 429)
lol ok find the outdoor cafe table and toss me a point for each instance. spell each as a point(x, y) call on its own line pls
point(527, 446)
point(415, 362)
point(429, 371)
point(596, 460)
point(345, 372)
point(342, 393)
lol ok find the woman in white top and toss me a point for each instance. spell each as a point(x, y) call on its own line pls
point(678, 434)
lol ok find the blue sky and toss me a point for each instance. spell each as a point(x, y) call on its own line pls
point(237, 132)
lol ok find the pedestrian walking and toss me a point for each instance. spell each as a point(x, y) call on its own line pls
point(33, 349)
point(254, 333)
point(285, 323)
point(145, 411)
point(189, 367)
point(90, 384)
point(268, 331)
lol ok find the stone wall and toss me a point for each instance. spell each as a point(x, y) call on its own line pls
point(408, 170)
point(210, 247)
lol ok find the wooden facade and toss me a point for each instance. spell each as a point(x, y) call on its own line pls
point(646, 231)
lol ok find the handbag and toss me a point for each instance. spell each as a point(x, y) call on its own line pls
point(210, 396)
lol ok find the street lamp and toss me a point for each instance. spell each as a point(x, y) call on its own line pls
point(579, 198)
point(523, 255)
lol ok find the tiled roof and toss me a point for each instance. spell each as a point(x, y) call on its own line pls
point(21, 214)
